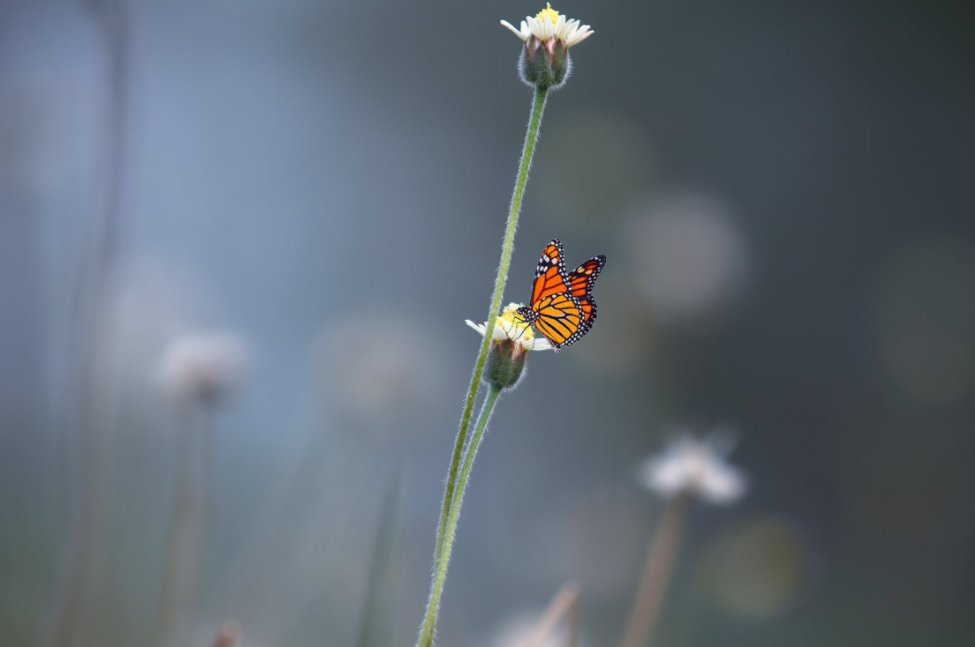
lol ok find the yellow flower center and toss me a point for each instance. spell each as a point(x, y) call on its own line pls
point(514, 325)
point(550, 13)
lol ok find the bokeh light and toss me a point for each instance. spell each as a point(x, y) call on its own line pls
point(757, 568)
point(690, 260)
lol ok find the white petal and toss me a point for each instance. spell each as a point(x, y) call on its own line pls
point(480, 328)
point(541, 28)
point(565, 27)
point(581, 35)
point(519, 34)
point(723, 486)
point(539, 343)
point(500, 333)
point(663, 476)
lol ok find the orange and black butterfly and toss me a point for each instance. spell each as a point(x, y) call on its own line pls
point(561, 306)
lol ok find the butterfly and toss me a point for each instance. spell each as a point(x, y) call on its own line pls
point(562, 307)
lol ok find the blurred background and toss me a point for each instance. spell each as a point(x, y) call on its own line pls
point(784, 194)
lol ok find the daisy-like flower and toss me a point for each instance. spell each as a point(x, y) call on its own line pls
point(510, 327)
point(548, 24)
point(512, 339)
point(697, 467)
point(545, 61)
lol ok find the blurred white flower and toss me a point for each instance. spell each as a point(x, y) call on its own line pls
point(697, 467)
point(548, 24)
point(204, 369)
point(509, 326)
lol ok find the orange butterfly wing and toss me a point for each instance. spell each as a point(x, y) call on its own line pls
point(581, 281)
point(560, 318)
point(562, 306)
point(549, 274)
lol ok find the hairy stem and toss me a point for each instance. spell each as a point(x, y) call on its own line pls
point(507, 247)
point(429, 627)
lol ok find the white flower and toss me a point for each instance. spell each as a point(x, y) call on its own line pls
point(697, 467)
point(549, 24)
point(203, 369)
point(509, 326)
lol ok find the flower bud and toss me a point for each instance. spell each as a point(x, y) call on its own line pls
point(544, 64)
point(505, 364)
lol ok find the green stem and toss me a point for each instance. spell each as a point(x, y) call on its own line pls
point(527, 153)
point(429, 626)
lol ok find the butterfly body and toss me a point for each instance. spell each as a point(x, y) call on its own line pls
point(562, 307)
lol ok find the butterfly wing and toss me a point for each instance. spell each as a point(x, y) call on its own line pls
point(561, 318)
point(550, 276)
point(581, 281)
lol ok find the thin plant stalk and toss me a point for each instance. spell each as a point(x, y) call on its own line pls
point(372, 628)
point(94, 339)
point(565, 605)
point(429, 627)
point(186, 541)
point(661, 558)
point(507, 247)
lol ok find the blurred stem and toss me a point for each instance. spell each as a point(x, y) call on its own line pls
point(382, 549)
point(93, 338)
point(527, 153)
point(565, 604)
point(661, 557)
point(186, 541)
point(429, 627)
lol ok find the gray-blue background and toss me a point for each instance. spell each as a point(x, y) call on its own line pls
point(784, 192)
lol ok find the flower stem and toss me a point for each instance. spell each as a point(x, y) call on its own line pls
point(429, 626)
point(186, 541)
point(527, 153)
point(93, 330)
point(564, 606)
point(656, 573)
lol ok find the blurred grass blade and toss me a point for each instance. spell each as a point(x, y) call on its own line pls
point(374, 624)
